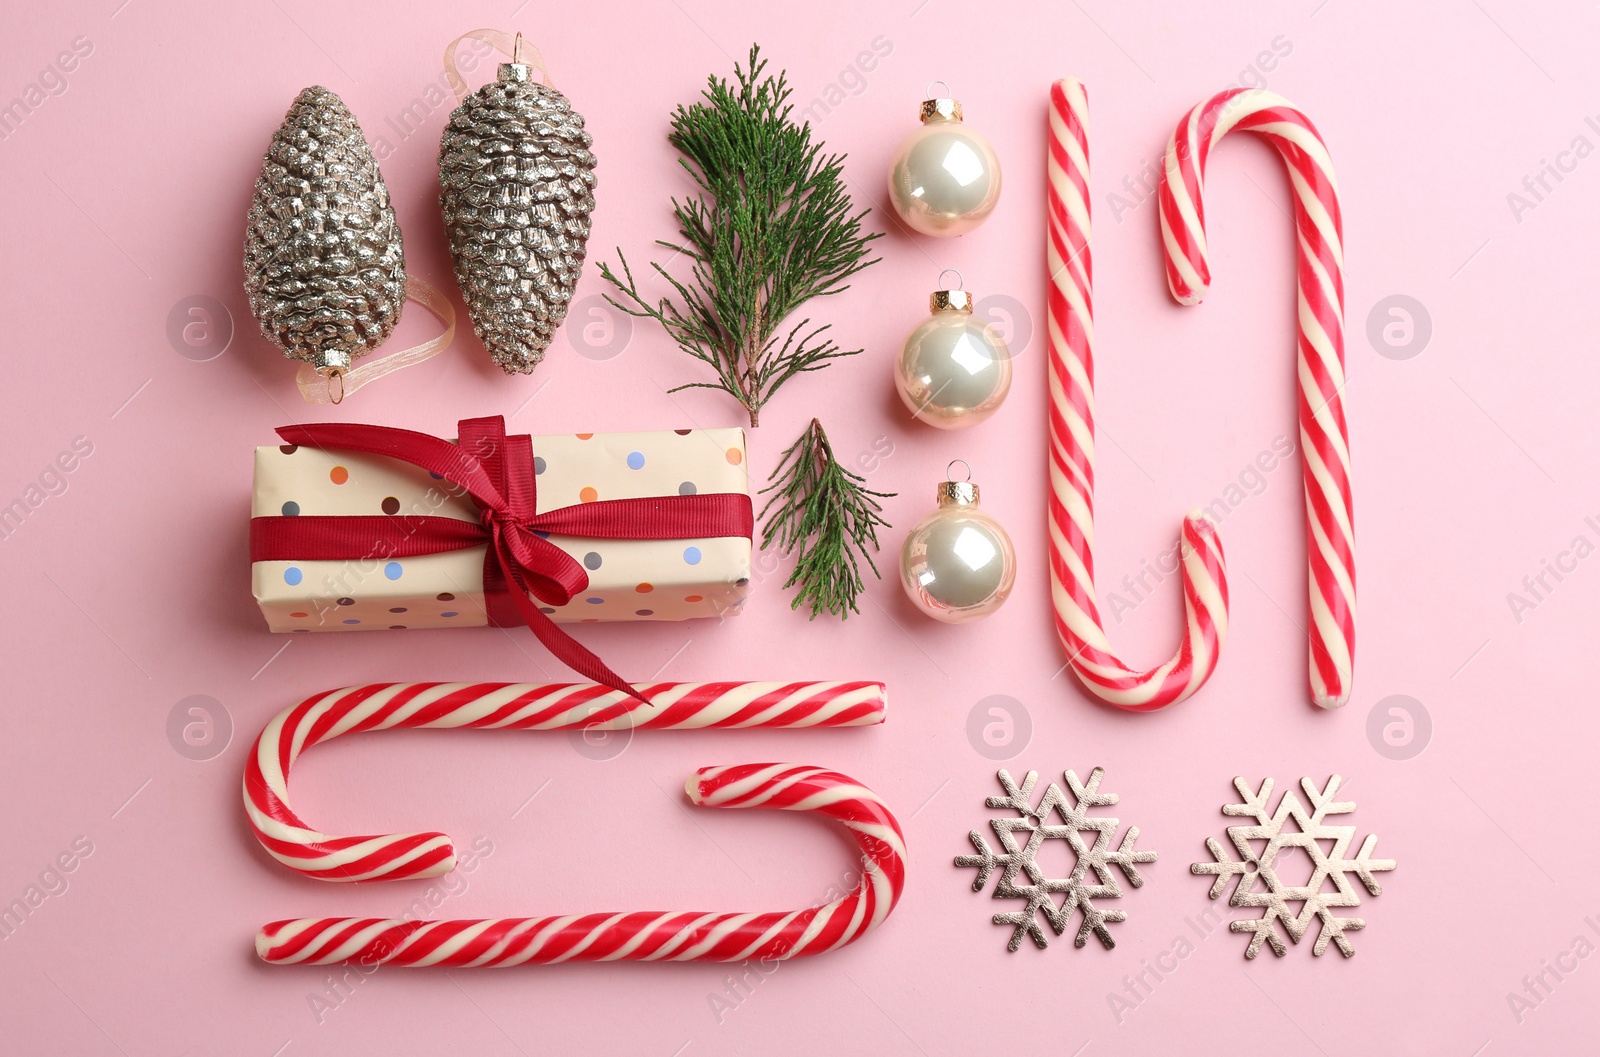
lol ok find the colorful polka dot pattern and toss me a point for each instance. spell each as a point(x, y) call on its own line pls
point(607, 606)
point(369, 600)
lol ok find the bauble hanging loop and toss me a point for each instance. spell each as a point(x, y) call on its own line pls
point(323, 262)
point(945, 177)
point(958, 564)
point(516, 186)
point(954, 370)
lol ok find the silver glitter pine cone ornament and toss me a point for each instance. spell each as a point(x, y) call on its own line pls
point(322, 258)
point(516, 181)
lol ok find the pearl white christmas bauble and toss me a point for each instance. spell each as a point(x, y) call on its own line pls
point(945, 178)
point(954, 369)
point(958, 564)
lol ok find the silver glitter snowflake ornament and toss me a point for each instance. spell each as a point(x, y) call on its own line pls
point(322, 256)
point(1077, 889)
point(516, 185)
point(1329, 865)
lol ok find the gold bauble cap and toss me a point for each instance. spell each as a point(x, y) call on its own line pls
point(950, 301)
point(958, 493)
point(942, 109)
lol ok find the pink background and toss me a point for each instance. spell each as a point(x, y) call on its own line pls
point(128, 592)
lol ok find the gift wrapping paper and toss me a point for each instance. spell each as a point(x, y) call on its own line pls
point(628, 579)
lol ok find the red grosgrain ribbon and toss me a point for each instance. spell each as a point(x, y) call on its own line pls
point(496, 470)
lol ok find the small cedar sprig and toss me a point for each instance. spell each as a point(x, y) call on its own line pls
point(773, 227)
point(827, 516)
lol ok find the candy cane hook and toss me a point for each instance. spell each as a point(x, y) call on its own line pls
point(498, 706)
point(1071, 378)
point(1324, 436)
point(648, 935)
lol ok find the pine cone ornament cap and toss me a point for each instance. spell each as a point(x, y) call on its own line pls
point(516, 181)
point(323, 261)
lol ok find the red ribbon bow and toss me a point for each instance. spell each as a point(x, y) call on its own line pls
point(497, 471)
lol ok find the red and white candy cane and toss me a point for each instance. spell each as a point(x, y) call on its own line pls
point(1324, 437)
point(499, 706)
point(649, 935)
point(1071, 377)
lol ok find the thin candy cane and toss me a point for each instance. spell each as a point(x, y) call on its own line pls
point(1324, 435)
point(649, 935)
point(499, 706)
point(1071, 509)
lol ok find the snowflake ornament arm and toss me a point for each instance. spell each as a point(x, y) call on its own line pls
point(1125, 857)
point(1365, 866)
point(986, 860)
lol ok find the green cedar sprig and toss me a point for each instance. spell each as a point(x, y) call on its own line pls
point(826, 514)
point(772, 228)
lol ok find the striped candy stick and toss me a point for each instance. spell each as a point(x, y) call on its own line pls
point(1324, 435)
point(649, 935)
point(499, 706)
point(1072, 434)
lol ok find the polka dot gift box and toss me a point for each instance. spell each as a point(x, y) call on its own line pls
point(388, 587)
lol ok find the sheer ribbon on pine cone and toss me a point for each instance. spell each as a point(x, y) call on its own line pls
point(319, 389)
